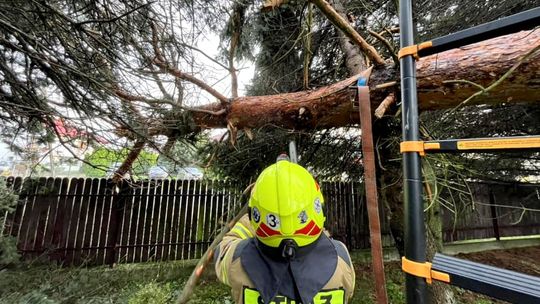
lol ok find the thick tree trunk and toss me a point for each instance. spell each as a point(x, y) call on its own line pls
point(440, 293)
point(354, 58)
point(438, 87)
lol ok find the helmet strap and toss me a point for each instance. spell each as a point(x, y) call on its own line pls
point(288, 248)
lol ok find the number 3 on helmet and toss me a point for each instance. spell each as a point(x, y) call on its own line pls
point(286, 203)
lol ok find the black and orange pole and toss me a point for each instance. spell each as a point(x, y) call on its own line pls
point(415, 240)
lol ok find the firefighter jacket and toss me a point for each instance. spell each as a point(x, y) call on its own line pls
point(322, 275)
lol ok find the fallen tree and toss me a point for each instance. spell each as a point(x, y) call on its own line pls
point(444, 81)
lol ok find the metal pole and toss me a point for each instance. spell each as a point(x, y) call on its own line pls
point(415, 239)
point(292, 152)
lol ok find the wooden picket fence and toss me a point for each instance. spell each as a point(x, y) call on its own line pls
point(93, 222)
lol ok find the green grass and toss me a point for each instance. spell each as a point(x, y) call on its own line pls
point(155, 283)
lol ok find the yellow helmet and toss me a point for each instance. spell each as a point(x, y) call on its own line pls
point(286, 203)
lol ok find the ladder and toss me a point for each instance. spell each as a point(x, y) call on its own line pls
point(492, 281)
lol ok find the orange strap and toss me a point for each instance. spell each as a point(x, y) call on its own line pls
point(423, 270)
point(418, 146)
point(414, 49)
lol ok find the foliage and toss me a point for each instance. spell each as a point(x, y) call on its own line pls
point(8, 250)
point(124, 283)
point(134, 282)
point(8, 245)
point(395, 292)
point(161, 283)
point(103, 160)
point(487, 121)
point(151, 293)
point(277, 37)
point(7, 198)
point(92, 64)
point(36, 297)
point(316, 151)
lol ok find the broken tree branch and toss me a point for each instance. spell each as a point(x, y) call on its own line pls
point(128, 162)
point(165, 66)
point(344, 26)
point(387, 44)
point(385, 104)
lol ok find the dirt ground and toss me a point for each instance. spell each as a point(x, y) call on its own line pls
point(525, 260)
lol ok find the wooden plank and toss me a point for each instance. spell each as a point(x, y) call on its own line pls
point(166, 220)
point(25, 199)
point(348, 215)
point(58, 231)
point(224, 204)
point(81, 218)
point(127, 218)
point(51, 218)
point(342, 212)
point(174, 213)
point(153, 213)
point(71, 222)
point(31, 220)
point(42, 206)
point(162, 222)
point(28, 195)
point(115, 212)
point(88, 254)
point(158, 225)
point(214, 212)
point(191, 201)
point(201, 218)
point(183, 204)
point(190, 223)
point(136, 223)
point(100, 223)
point(140, 251)
point(227, 203)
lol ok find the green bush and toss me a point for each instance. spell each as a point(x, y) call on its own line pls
point(395, 292)
point(8, 245)
point(152, 293)
point(36, 297)
point(8, 250)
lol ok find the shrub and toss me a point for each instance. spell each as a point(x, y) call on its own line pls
point(152, 293)
point(8, 245)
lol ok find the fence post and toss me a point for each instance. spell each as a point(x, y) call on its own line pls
point(118, 192)
point(494, 217)
point(348, 201)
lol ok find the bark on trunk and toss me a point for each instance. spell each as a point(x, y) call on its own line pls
point(354, 59)
point(332, 106)
point(439, 292)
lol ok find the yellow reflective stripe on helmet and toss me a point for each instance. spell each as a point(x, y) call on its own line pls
point(334, 296)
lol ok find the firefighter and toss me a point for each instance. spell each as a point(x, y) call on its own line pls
point(278, 252)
